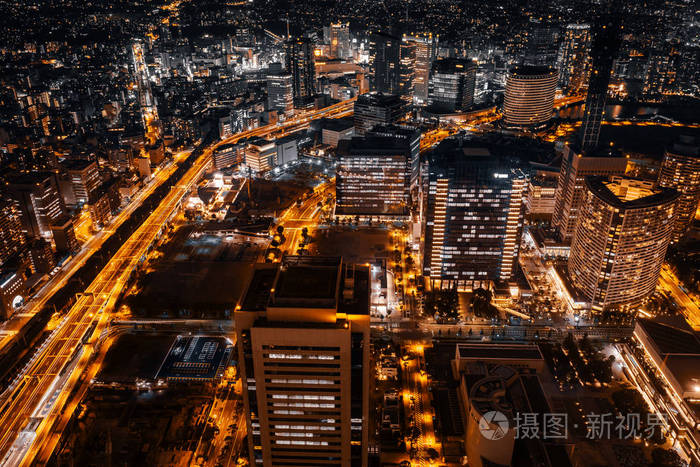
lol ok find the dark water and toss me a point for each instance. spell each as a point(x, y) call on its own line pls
point(685, 114)
point(648, 141)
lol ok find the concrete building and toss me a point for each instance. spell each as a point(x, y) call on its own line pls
point(377, 109)
point(384, 62)
point(575, 166)
point(473, 216)
point(575, 59)
point(624, 228)
point(12, 238)
point(37, 197)
point(373, 177)
point(228, 155)
point(680, 170)
point(64, 235)
point(300, 65)
point(425, 53)
point(85, 178)
point(280, 93)
point(287, 149)
point(340, 41)
point(411, 138)
point(260, 155)
point(333, 130)
point(303, 353)
point(529, 97)
point(451, 86)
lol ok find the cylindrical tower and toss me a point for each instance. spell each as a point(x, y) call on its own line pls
point(529, 98)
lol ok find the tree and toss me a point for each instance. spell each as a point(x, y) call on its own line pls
point(280, 230)
point(481, 304)
point(443, 304)
point(665, 458)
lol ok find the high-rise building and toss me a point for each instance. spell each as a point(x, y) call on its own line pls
point(340, 41)
point(411, 138)
point(384, 62)
point(425, 52)
point(620, 242)
point(373, 177)
point(300, 64)
point(280, 94)
point(377, 109)
point(407, 69)
point(11, 235)
point(37, 197)
point(85, 178)
point(474, 211)
point(570, 192)
point(680, 170)
point(542, 41)
point(261, 155)
point(575, 60)
point(451, 86)
point(303, 350)
point(529, 98)
point(663, 66)
point(604, 47)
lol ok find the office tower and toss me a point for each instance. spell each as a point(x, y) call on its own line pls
point(37, 198)
point(85, 178)
point(575, 61)
point(570, 192)
point(410, 138)
point(384, 62)
point(620, 241)
point(340, 41)
point(407, 69)
point(63, 234)
point(605, 43)
point(473, 216)
point(261, 155)
point(680, 170)
point(542, 43)
point(373, 177)
point(529, 98)
point(425, 52)
point(11, 235)
point(303, 352)
point(280, 95)
point(661, 76)
point(377, 109)
point(300, 64)
point(451, 86)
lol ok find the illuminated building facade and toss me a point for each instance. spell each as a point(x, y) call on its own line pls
point(280, 92)
point(303, 352)
point(37, 197)
point(575, 60)
point(85, 178)
point(384, 62)
point(529, 98)
point(451, 86)
point(373, 177)
point(618, 249)
point(300, 64)
point(11, 235)
point(340, 41)
point(680, 170)
point(570, 191)
point(261, 155)
point(377, 109)
point(474, 212)
point(425, 52)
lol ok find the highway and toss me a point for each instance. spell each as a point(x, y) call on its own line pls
point(31, 407)
point(669, 283)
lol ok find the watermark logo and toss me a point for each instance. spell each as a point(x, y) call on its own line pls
point(493, 425)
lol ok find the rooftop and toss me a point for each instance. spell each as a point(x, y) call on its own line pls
point(532, 71)
point(499, 352)
point(625, 193)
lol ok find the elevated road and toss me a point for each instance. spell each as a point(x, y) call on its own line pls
point(30, 411)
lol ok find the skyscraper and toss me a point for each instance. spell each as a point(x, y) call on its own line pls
point(542, 41)
point(529, 98)
point(605, 44)
point(620, 241)
point(473, 216)
point(425, 51)
point(570, 192)
point(680, 170)
point(300, 64)
point(11, 235)
point(340, 41)
point(407, 69)
point(373, 177)
point(37, 197)
point(384, 62)
point(303, 351)
point(574, 60)
point(451, 85)
point(410, 137)
point(377, 109)
point(280, 94)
